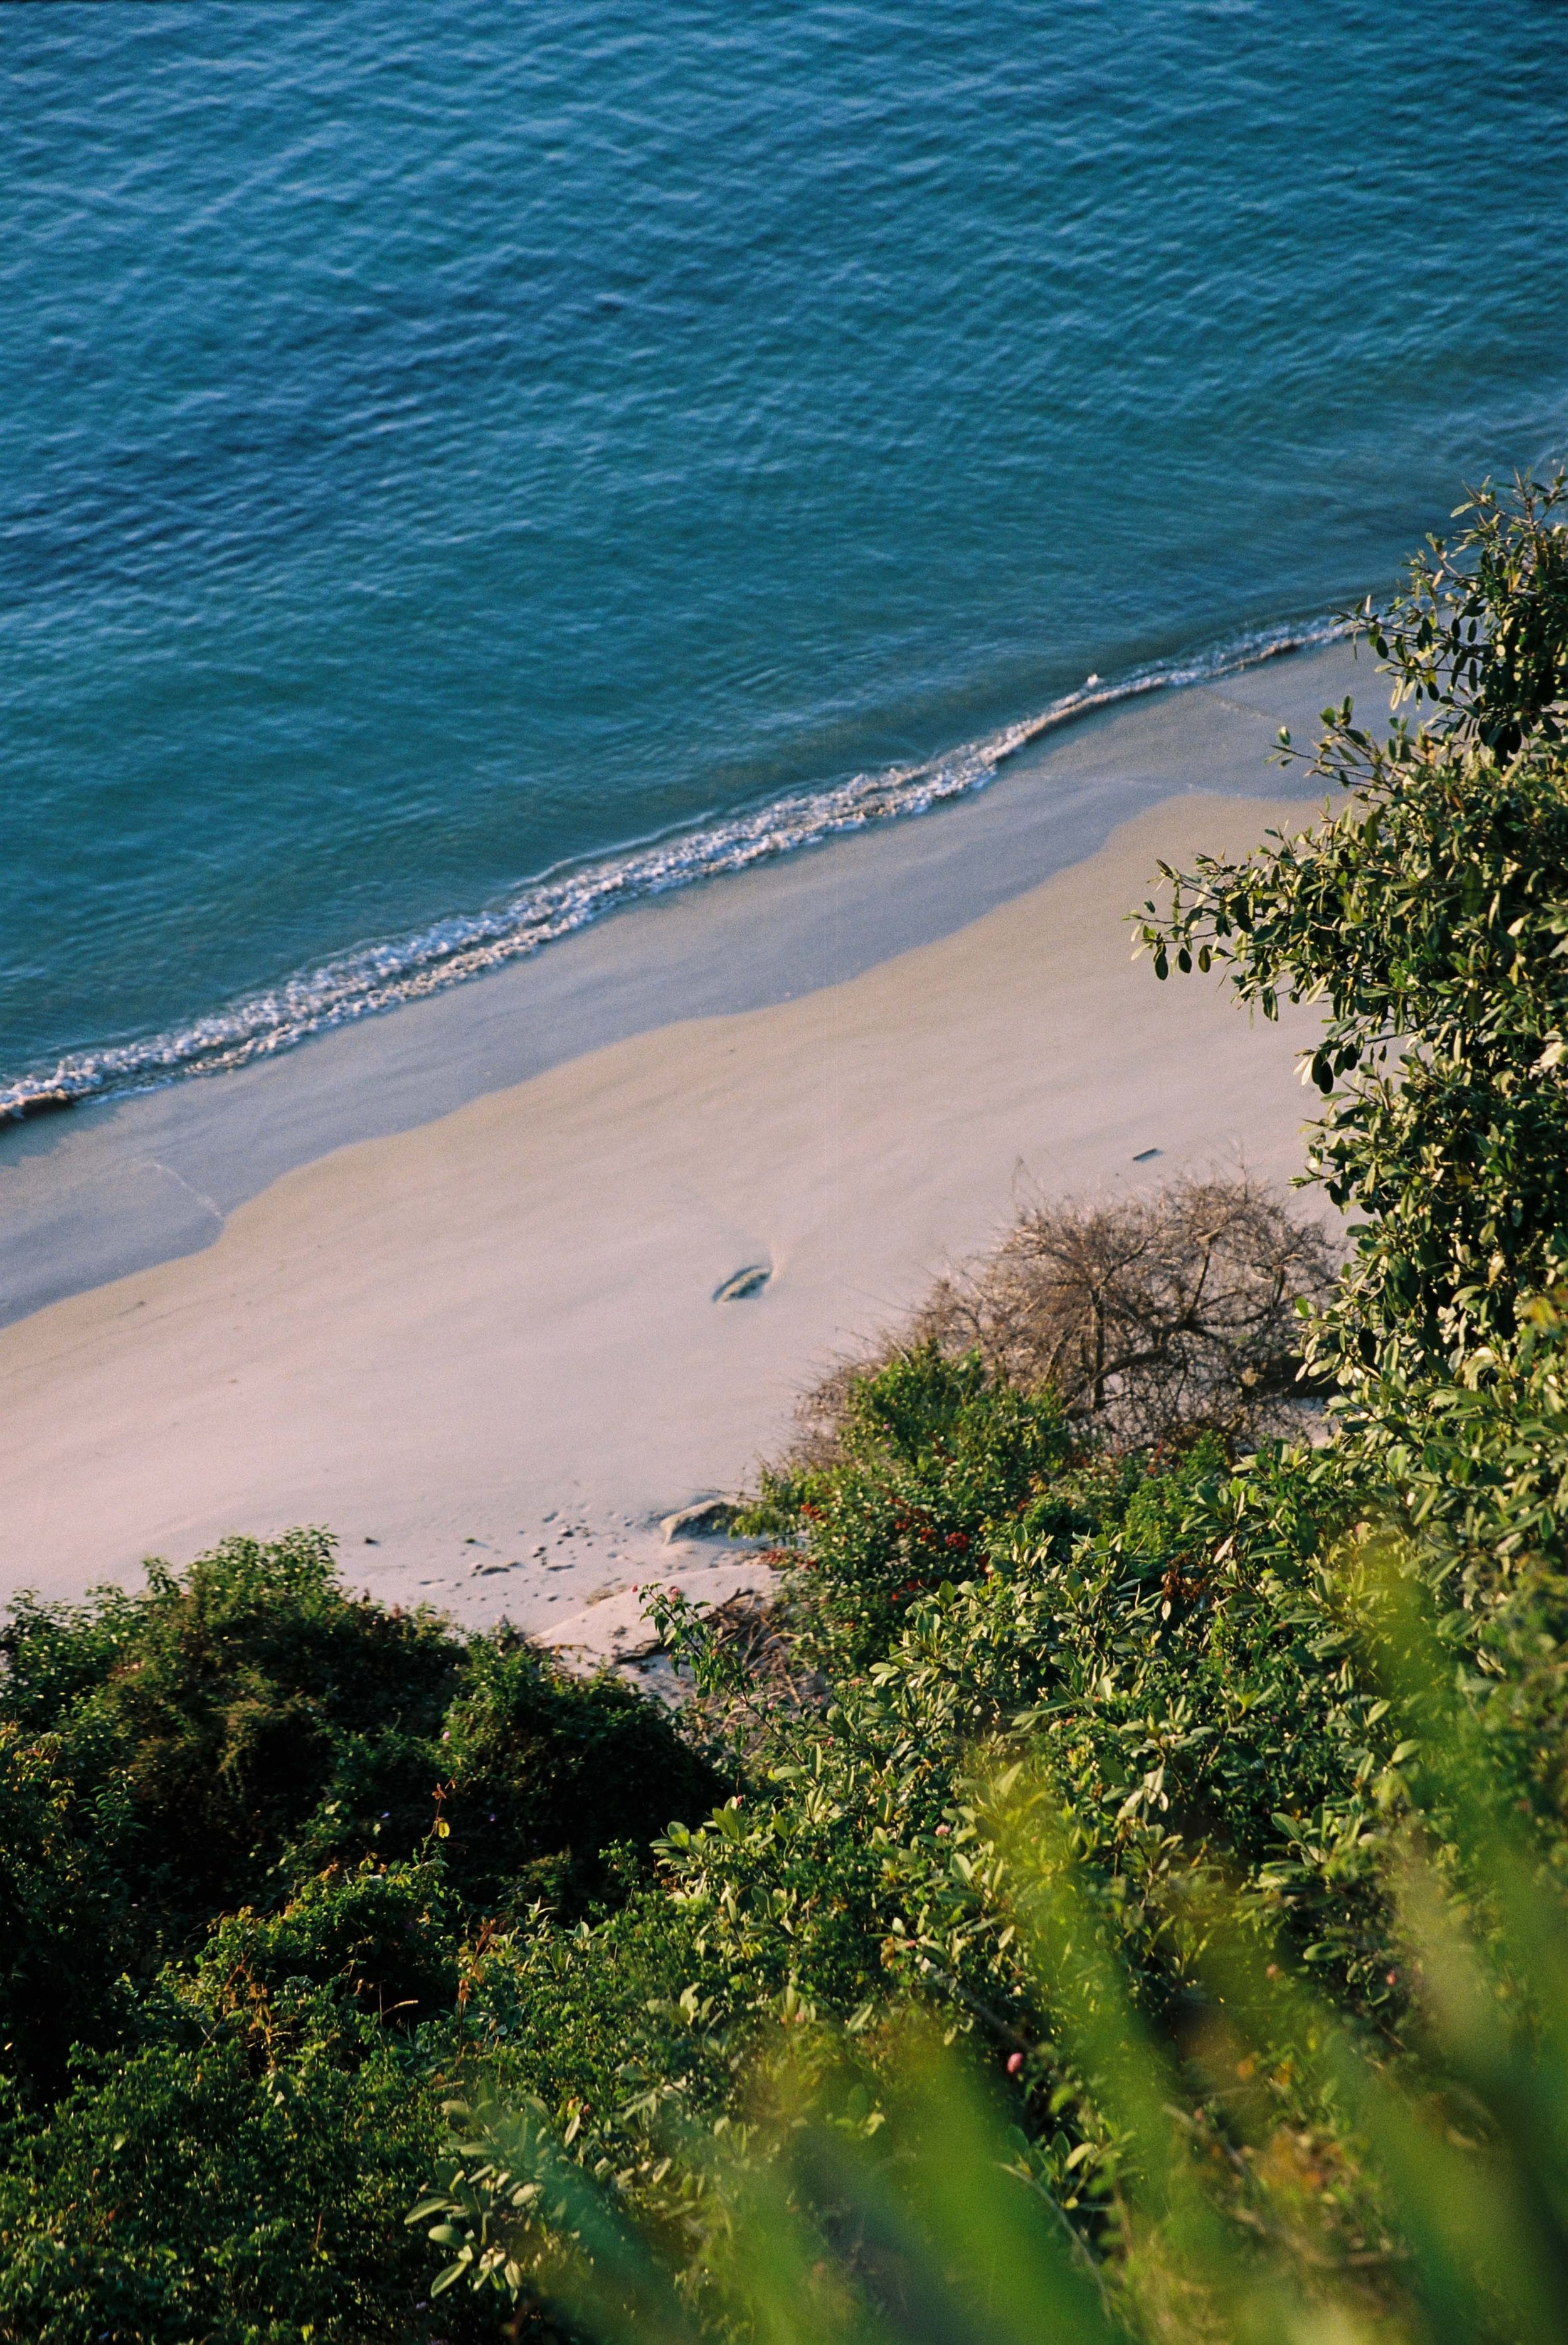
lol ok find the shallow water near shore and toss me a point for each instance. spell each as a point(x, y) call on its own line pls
point(453, 482)
point(124, 1183)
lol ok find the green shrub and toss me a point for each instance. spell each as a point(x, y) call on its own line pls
point(548, 1776)
point(177, 2194)
point(378, 1942)
point(200, 1748)
point(936, 1457)
point(69, 1924)
point(916, 2195)
point(224, 1713)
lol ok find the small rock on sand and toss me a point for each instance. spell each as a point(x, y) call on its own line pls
point(708, 1519)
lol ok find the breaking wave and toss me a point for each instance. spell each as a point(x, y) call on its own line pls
point(368, 978)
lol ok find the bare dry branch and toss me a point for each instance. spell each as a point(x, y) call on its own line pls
point(1151, 1317)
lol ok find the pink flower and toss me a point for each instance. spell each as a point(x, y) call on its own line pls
point(1015, 2062)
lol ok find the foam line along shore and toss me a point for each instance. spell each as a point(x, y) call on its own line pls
point(129, 1180)
point(376, 977)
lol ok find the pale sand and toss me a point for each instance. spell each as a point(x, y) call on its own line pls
point(488, 1345)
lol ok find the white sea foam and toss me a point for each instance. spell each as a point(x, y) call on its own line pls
point(377, 976)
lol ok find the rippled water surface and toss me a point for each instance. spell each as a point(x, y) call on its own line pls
point(441, 451)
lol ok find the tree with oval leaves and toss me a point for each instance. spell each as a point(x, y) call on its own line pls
point(1429, 915)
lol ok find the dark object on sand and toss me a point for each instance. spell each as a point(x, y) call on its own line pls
point(741, 1283)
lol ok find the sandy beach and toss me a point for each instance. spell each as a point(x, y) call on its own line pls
point(485, 1350)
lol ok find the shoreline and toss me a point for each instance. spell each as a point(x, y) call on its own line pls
point(388, 973)
point(446, 1281)
point(484, 1347)
point(120, 1185)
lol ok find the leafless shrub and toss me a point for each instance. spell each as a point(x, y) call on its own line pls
point(1151, 1317)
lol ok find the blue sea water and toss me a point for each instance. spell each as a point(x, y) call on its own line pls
point(459, 467)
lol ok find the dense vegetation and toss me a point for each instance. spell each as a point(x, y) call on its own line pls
point(253, 1834)
point(1206, 1810)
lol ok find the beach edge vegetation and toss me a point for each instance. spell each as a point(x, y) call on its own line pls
point(1142, 1919)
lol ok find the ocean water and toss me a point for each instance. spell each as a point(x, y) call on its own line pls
point(462, 468)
